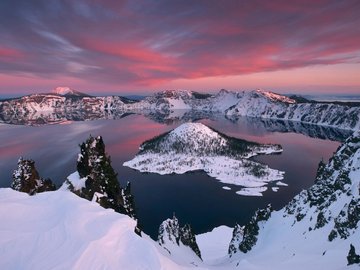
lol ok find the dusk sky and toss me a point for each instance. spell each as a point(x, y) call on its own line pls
point(124, 47)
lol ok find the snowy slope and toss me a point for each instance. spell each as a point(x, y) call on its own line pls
point(268, 105)
point(214, 245)
point(58, 230)
point(315, 230)
point(194, 146)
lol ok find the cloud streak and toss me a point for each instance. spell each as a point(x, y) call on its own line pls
point(146, 43)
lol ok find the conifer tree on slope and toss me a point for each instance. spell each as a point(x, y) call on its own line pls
point(101, 183)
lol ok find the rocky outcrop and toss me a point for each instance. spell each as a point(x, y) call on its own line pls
point(336, 184)
point(352, 257)
point(237, 237)
point(171, 234)
point(244, 238)
point(26, 178)
point(331, 205)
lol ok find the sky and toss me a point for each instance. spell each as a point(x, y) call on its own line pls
point(139, 47)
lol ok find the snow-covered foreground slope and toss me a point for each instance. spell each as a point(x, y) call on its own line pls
point(59, 230)
point(194, 146)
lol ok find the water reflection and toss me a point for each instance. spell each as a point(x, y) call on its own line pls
point(177, 117)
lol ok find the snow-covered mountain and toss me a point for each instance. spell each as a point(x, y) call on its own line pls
point(194, 146)
point(53, 103)
point(67, 91)
point(257, 103)
point(267, 105)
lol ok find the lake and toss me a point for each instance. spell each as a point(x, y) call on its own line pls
point(194, 197)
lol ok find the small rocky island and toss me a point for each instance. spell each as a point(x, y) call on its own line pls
point(195, 146)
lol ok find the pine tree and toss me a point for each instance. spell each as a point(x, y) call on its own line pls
point(101, 183)
point(26, 178)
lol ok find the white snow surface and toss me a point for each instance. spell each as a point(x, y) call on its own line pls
point(59, 230)
point(252, 191)
point(77, 182)
point(214, 245)
point(178, 104)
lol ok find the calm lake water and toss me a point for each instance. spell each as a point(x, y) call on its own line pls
point(195, 197)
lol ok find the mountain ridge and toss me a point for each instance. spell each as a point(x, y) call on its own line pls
point(257, 104)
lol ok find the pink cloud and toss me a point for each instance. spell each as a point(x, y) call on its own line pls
point(142, 45)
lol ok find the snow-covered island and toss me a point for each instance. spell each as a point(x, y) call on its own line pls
point(195, 146)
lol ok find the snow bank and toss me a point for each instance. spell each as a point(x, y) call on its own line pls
point(214, 245)
point(59, 230)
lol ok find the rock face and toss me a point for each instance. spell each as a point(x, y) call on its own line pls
point(194, 146)
point(26, 178)
point(244, 238)
point(237, 237)
point(251, 230)
point(171, 234)
point(96, 180)
point(326, 215)
point(352, 257)
point(337, 184)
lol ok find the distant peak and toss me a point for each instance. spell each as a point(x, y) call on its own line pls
point(223, 91)
point(62, 90)
point(67, 91)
